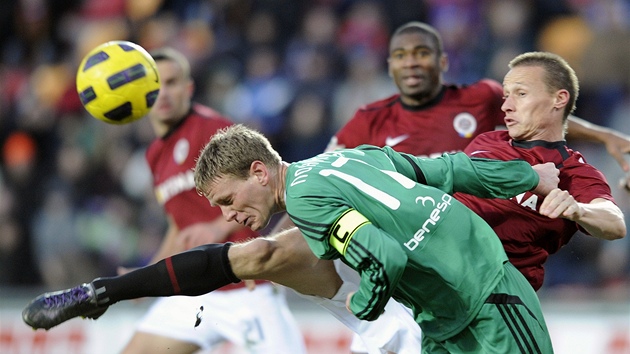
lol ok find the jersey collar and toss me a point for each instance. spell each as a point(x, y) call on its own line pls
point(427, 105)
point(542, 143)
point(178, 124)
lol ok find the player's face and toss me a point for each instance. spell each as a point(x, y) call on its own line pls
point(416, 67)
point(245, 201)
point(173, 101)
point(530, 109)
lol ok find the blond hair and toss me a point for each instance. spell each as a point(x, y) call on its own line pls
point(230, 152)
point(558, 74)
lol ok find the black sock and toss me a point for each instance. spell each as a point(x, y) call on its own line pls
point(194, 272)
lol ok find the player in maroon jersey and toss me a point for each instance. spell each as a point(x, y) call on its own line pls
point(540, 91)
point(264, 323)
point(426, 118)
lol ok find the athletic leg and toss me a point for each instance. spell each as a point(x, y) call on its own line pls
point(194, 272)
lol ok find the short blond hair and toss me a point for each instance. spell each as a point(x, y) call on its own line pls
point(231, 152)
point(558, 74)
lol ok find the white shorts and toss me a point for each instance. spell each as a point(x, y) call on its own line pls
point(395, 330)
point(258, 320)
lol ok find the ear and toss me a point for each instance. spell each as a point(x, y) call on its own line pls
point(561, 99)
point(389, 68)
point(260, 172)
point(443, 62)
point(190, 88)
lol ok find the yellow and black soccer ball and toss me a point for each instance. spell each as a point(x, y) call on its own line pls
point(118, 82)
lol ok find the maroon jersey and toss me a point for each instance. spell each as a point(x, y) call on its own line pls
point(172, 160)
point(446, 124)
point(528, 237)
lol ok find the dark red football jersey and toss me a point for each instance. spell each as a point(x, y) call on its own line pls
point(172, 160)
point(446, 124)
point(528, 237)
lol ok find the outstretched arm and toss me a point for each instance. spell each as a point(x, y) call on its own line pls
point(286, 259)
point(601, 217)
point(485, 178)
point(617, 144)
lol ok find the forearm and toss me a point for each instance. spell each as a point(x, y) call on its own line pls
point(381, 262)
point(286, 259)
point(602, 219)
point(617, 143)
point(483, 178)
point(581, 129)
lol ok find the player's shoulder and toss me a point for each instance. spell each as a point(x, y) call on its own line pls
point(490, 84)
point(485, 84)
point(576, 159)
point(487, 140)
point(494, 135)
point(587, 181)
point(481, 88)
point(198, 125)
point(386, 103)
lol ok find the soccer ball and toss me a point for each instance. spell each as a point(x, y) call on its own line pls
point(118, 82)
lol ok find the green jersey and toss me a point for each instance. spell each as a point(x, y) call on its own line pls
point(408, 240)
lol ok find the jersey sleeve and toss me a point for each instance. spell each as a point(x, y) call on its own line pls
point(304, 209)
point(377, 257)
point(587, 183)
point(485, 178)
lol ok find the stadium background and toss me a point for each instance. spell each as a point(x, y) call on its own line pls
point(75, 193)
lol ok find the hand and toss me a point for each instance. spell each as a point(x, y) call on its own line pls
point(549, 179)
point(617, 145)
point(559, 203)
point(348, 298)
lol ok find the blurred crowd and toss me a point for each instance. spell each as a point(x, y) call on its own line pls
point(75, 193)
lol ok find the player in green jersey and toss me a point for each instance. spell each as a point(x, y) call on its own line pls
point(407, 240)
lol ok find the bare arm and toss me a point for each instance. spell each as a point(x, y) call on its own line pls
point(617, 144)
point(601, 217)
point(286, 259)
